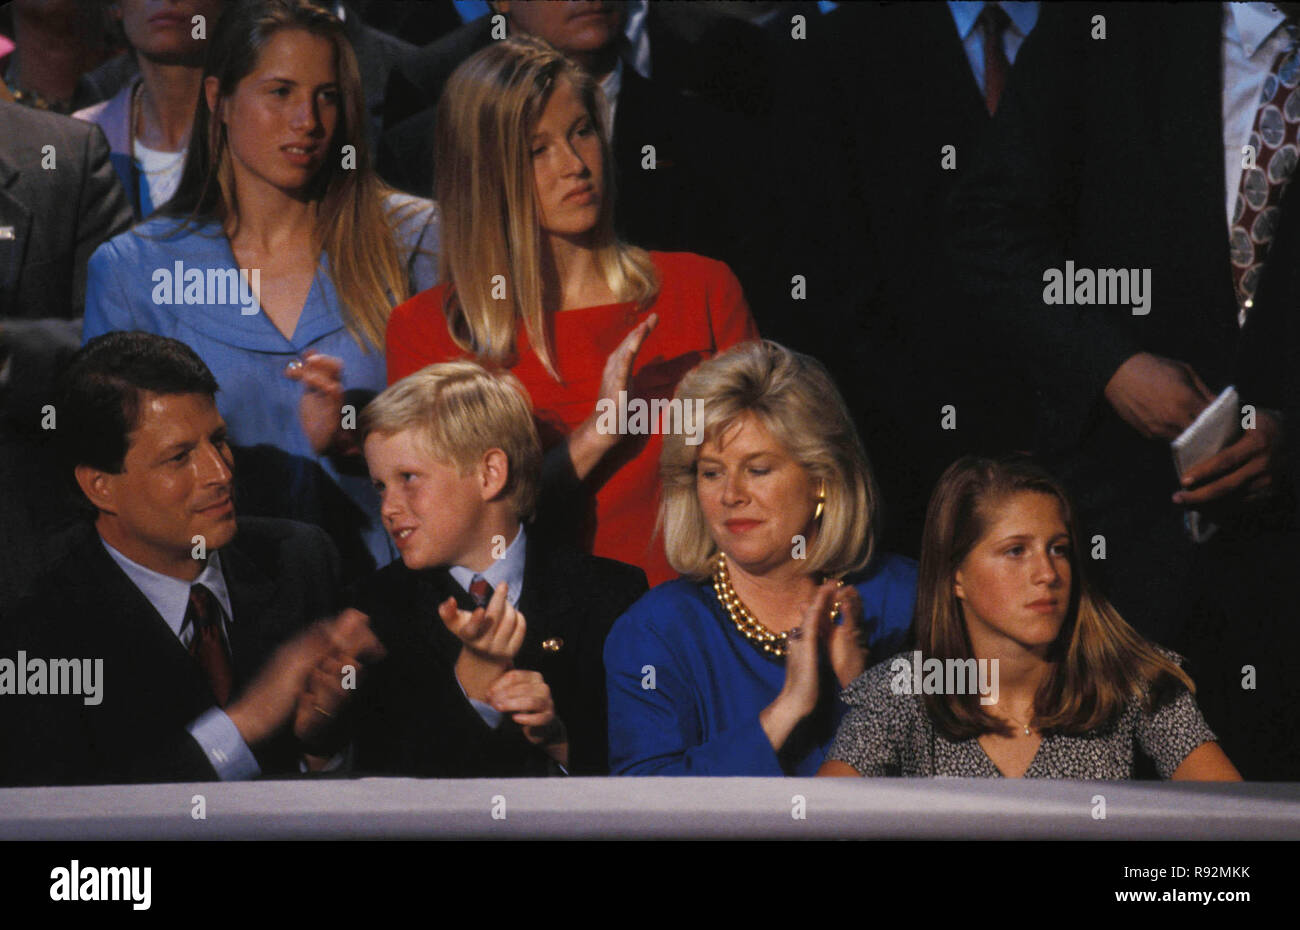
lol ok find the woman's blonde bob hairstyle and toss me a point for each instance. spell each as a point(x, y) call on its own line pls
point(795, 399)
point(484, 182)
point(459, 410)
point(1100, 662)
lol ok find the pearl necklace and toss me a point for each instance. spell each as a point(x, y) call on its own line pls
point(749, 626)
point(772, 644)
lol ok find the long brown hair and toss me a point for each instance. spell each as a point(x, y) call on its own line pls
point(353, 228)
point(483, 181)
point(1099, 661)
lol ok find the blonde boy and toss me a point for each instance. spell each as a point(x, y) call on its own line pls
point(479, 622)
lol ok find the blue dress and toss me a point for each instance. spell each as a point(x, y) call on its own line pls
point(686, 688)
point(131, 285)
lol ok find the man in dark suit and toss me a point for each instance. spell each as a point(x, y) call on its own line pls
point(59, 199)
point(183, 626)
point(1105, 156)
point(57, 205)
point(701, 195)
point(885, 110)
point(493, 639)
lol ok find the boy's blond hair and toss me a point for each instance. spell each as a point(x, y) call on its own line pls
point(460, 410)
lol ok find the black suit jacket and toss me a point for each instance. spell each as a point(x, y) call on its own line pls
point(280, 575)
point(378, 53)
point(412, 717)
point(876, 93)
point(717, 57)
point(52, 219)
point(1103, 154)
point(415, 83)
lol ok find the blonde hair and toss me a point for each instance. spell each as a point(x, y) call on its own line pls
point(354, 227)
point(796, 401)
point(1099, 661)
point(486, 193)
point(459, 410)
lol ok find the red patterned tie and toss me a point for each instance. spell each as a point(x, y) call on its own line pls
point(993, 23)
point(208, 645)
point(1273, 140)
point(479, 590)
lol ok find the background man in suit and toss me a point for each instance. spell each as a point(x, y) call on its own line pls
point(185, 613)
point(487, 636)
point(1105, 155)
point(879, 95)
point(59, 199)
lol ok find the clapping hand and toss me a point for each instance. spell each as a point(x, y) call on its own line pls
point(801, 690)
point(333, 679)
point(844, 640)
point(526, 697)
point(490, 639)
point(587, 445)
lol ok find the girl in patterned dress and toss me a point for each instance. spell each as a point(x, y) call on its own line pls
point(1020, 668)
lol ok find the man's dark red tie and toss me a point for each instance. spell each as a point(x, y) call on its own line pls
point(993, 23)
point(480, 591)
point(1274, 139)
point(208, 644)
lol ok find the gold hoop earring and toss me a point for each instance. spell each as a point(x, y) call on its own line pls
point(821, 501)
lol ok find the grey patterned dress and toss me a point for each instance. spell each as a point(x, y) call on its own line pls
point(891, 734)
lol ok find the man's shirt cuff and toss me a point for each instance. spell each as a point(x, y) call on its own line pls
point(220, 741)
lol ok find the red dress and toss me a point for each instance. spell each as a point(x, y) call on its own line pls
point(701, 312)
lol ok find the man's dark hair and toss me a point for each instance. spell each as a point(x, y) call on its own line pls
point(99, 392)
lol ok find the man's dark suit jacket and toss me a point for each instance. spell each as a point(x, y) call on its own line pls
point(280, 575)
point(377, 54)
point(703, 195)
point(50, 222)
point(52, 219)
point(876, 92)
point(1104, 155)
point(412, 717)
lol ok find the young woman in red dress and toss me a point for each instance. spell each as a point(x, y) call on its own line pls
point(535, 280)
